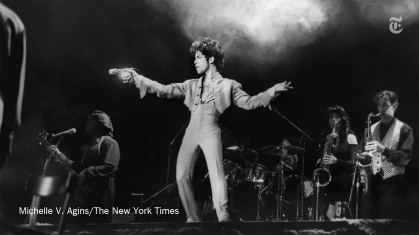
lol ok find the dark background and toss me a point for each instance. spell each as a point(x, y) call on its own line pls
point(72, 45)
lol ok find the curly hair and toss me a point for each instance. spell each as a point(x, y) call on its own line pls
point(209, 48)
point(345, 123)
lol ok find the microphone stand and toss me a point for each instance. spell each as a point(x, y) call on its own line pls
point(300, 201)
point(357, 174)
point(36, 200)
point(354, 177)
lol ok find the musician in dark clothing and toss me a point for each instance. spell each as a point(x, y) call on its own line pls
point(340, 162)
point(100, 159)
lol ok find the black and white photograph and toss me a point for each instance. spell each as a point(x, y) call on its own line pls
point(209, 117)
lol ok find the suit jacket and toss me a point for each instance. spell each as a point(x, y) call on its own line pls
point(226, 93)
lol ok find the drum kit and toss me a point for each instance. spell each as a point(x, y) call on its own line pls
point(261, 193)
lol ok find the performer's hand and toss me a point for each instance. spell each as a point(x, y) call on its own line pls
point(365, 155)
point(53, 149)
point(127, 75)
point(282, 87)
point(374, 146)
point(330, 159)
point(334, 135)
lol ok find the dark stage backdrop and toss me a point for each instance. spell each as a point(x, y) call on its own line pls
point(73, 44)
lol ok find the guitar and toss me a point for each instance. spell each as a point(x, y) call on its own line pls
point(86, 186)
point(62, 159)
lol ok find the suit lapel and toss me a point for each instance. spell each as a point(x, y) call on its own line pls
point(222, 94)
point(219, 85)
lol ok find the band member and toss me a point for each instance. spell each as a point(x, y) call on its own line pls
point(98, 166)
point(12, 77)
point(290, 160)
point(340, 162)
point(287, 176)
point(207, 98)
point(393, 139)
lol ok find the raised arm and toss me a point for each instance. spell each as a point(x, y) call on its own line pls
point(245, 101)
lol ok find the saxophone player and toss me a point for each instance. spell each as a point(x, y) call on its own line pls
point(393, 139)
point(340, 161)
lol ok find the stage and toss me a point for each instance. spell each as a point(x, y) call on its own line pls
point(287, 227)
point(334, 53)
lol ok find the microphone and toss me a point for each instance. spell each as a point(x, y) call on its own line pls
point(68, 132)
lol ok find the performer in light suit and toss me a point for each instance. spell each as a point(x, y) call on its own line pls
point(207, 98)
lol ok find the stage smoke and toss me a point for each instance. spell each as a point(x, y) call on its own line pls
point(269, 30)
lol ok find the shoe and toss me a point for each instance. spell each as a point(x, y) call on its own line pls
point(190, 220)
point(225, 219)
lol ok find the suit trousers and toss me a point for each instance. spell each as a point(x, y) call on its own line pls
point(384, 199)
point(203, 133)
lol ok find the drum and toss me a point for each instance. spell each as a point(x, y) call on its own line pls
point(248, 194)
point(233, 172)
point(290, 198)
point(308, 188)
point(258, 174)
point(293, 185)
point(246, 203)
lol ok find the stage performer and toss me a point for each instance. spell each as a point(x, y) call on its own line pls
point(290, 160)
point(97, 168)
point(340, 162)
point(393, 139)
point(207, 98)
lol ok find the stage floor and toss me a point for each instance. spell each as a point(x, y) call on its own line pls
point(288, 227)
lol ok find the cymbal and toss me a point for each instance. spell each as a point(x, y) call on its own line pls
point(274, 150)
point(237, 149)
point(245, 157)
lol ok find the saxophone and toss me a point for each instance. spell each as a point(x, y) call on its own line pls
point(376, 156)
point(322, 174)
point(375, 165)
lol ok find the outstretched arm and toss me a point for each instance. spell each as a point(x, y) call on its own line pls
point(145, 85)
point(245, 101)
